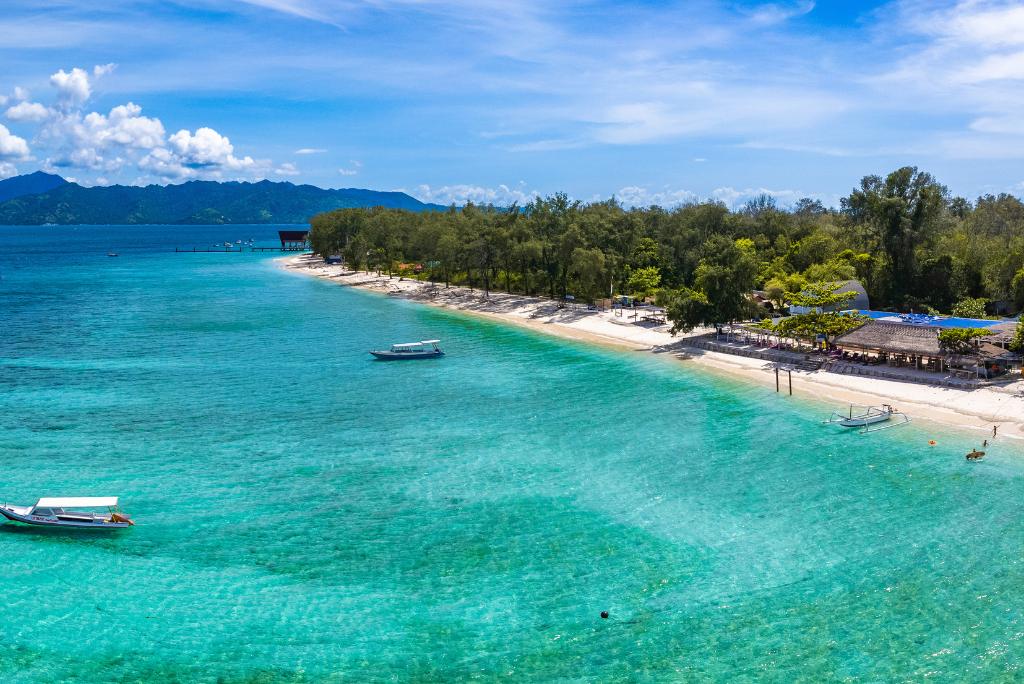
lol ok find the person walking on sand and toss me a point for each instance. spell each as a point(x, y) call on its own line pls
point(994, 429)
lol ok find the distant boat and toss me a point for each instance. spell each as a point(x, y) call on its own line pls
point(410, 350)
point(238, 242)
point(54, 512)
point(113, 254)
point(227, 244)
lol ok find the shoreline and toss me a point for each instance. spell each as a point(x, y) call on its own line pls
point(978, 409)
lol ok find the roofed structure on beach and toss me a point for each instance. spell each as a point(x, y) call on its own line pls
point(291, 239)
point(893, 338)
point(1003, 332)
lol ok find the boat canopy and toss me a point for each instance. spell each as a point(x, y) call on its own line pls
point(406, 345)
point(77, 501)
point(430, 341)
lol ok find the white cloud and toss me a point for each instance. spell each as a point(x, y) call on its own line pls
point(7, 170)
point(27, 111)
point(502, 195)
point(73, 88)
point(776, 13)
point(21, 93)
point(205, 153)
point(637, 196)
point(206, 148)
point(310, 150)
point(353, 169)
point(126, 126)
point(121, 139)
point(11, 146)
point(734, 198)
point(287, 169)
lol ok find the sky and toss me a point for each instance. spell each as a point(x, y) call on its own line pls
point(491, 101)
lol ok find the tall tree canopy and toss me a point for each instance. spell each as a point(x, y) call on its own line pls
point(901, 235)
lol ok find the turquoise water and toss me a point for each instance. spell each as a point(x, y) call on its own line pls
point(307, 514)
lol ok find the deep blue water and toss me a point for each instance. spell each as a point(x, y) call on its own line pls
point(307, 514)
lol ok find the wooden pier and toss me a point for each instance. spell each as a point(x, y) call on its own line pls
point(227, 250)
point(219, 250)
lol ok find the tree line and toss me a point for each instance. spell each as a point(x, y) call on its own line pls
point(913, 245)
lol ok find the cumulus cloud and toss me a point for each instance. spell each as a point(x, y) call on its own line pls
point(637, 196)
point(503, 195)
point(121, 139)
point(203, 153)
point(287, 169)
point(7, 170)
point(27, 111)
point(72, 87)
point(11, 146)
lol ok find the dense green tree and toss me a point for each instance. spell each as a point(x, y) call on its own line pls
point(903, 211)
point(970, 307)
point(897, 234)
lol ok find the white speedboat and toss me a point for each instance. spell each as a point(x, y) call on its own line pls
point(427, 349)
point(64, 512)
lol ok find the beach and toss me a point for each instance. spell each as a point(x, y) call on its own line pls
point(977, 409)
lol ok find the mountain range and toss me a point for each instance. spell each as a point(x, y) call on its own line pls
point(41, 198)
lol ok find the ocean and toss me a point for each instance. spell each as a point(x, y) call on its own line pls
point(308, 514)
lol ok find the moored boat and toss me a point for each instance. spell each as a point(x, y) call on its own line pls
point(870, 415)
point(427, 349)
point(63, 512)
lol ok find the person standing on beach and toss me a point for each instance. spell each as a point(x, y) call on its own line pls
point(994, 429)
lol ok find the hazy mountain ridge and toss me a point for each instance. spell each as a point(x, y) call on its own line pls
point(194, 202)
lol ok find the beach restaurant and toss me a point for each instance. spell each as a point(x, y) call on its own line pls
point(909, 345)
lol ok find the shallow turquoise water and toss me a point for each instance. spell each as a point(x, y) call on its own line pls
point(307, 514)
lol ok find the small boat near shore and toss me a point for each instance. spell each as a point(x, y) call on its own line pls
point(426, 349)
point(866, 417)
point(63, 512)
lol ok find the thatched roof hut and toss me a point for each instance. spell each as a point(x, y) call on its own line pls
point(893, 338)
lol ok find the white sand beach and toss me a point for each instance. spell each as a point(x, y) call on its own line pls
point(979, 409)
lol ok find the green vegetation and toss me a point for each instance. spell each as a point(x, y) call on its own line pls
point(961, 340)
point(825, 301)
point(912, 246)
point(970, 307)
point(1017, 343)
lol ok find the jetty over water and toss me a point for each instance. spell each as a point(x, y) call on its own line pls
point(291, 241)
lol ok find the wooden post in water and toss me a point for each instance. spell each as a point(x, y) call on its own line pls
point(790, 382)
point(776, 378)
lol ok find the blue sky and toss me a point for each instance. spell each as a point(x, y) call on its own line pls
point(653, 102)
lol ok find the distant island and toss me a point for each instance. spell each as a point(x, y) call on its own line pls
point(40, 198)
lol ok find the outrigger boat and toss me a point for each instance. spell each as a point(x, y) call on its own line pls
point(55, 512)
point(869, 416)
point(410, 350)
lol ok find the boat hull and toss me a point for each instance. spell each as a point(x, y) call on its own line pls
point(406, 356)
point(64, 524)
point(861, 422)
